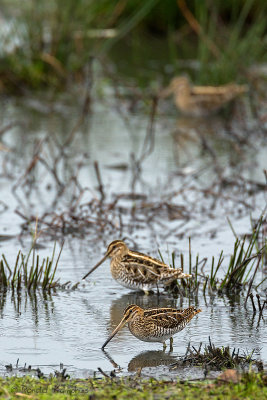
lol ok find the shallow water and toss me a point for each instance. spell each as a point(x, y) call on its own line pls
point(70, 327)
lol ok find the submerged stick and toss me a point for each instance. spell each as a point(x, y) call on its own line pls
point(262, 308)
point(252, 279)
point(259, 303)
point(253, 305)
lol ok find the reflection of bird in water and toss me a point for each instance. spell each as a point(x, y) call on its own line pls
point(154, 325)
point(150, 359)
point(200, 101)
point(136, 270)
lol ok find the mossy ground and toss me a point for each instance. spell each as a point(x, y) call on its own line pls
point(251, 386)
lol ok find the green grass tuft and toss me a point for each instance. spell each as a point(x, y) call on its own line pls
point(238, 274)
point(251, 386)
point(29, 272)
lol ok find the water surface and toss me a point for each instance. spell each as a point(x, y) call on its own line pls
point(70, 327)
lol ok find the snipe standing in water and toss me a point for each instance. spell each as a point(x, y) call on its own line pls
point(136, 270)
point(200, 101)
point(154, 325)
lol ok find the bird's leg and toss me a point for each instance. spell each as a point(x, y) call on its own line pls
point(164, 346)
point(171, 343)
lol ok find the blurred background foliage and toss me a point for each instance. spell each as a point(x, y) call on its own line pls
point(50, 43)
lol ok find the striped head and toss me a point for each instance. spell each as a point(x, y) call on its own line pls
point(190, 312)
point(129, 313)
point(117, 248)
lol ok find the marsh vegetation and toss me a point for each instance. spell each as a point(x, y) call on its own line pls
point(90, 152)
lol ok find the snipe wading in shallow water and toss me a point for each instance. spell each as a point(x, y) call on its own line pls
point(136, 270)
point(154, 325)
point(200, 101)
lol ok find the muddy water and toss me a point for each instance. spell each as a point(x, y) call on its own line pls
point(70, 327)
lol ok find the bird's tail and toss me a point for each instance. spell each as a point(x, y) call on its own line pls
point(177, 274)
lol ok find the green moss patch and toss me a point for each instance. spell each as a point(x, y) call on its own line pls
point(250, 386)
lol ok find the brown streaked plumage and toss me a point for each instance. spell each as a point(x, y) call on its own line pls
point(136, 270)
point(201, 100)
point(154, 325)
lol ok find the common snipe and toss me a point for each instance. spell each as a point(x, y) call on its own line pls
point(154, 325)
point(136, 270)
point(201, 100)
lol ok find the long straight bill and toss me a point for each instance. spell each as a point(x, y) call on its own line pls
point(120, 326)
point(97, 265)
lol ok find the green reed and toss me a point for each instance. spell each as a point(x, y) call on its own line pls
point(30, 272)
point(233, 40)
point(58, 39)
point(242, 261)
point(236, 275)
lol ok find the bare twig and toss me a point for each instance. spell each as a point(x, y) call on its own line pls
point(99, 179)
point(103, 373)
